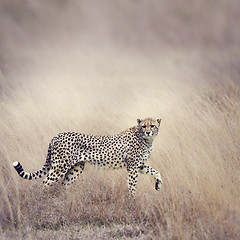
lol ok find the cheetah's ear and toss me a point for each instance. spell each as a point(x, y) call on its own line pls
point(159, 121)
point(139, 121)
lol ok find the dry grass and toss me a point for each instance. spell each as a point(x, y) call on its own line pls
point(96, 68)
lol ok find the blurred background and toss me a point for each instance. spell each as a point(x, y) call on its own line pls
point(113, 56)
point(95, 67)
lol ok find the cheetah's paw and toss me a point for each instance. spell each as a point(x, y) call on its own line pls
point(157, 186)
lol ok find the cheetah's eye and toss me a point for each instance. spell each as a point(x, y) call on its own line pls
point(143, 126)
point(152, 126)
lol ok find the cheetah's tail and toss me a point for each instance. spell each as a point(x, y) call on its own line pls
point(34, 175)
point(39, 173)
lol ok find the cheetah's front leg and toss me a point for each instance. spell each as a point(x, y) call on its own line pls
point(145, 169)
point(132, 181)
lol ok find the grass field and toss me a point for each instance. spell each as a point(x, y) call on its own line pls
point(95, 67)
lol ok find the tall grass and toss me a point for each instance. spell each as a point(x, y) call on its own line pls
point(88, 74)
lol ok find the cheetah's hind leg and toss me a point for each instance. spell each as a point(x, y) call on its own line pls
point(73, 173)
point(53, 176)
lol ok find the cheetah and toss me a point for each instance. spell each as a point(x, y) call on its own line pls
point(69, 152)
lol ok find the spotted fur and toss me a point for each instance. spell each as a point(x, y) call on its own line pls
point(68, 153)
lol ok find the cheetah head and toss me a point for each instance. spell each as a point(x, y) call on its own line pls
point(149, 127)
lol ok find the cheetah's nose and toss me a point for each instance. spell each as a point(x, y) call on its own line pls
point(148, 133)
